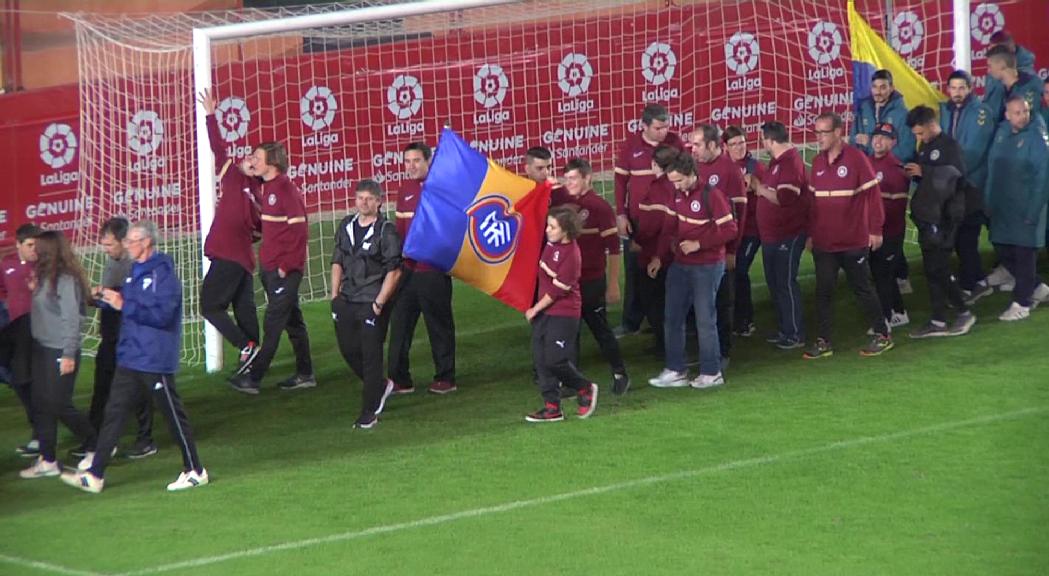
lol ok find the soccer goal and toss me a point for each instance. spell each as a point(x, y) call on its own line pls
point(347, 86)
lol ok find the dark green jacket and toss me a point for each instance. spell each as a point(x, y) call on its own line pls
point(1018, 184)
point(974, 131)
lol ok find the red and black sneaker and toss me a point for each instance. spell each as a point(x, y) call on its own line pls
point(587, 399)
point(549, 413)
point(399, 389)
point(442, 387)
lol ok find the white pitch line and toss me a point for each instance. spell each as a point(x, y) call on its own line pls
point(518, 504)
point(45, 566)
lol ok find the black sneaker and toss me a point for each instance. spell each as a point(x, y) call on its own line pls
point(587, 400)
point(548, 413)
point(247, 356)
point(982, 289)
point(620, 383)
point(878, 345)
point(931, 329)
point(962, 324)
point(297, 381)
point(30, 449)
point(821, 349)
point(141, 450)
point(746, 331)
point(78, 453)
point(244, 384)
point(366, 421)
point(786, 343)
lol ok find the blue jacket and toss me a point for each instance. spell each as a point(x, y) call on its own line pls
point(1028, 85)
point(976, 126)
point(994, 91)
point(151, 322)
point(894, 112)
point(1018, 184)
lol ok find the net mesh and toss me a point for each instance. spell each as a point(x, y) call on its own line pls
point(570, 75)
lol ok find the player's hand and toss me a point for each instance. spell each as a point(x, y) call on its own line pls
point(530, 314)
point(282, 273)
point(862, 139)
point(730, 261)
point(113, 298)
point(688, 246)
point(653, 268)
point(612, 293)
point(913, 170)
point(66, 366)
point(623, 223)
point(875, 241)
point(208, 101)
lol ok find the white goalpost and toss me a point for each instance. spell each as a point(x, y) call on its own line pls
point(347, 85)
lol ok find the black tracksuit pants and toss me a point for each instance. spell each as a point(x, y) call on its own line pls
point(361, 336)
point(105, 369)
point(857, 272)
point(53, 402)
point(595, 315)
point(282, 314)
point(427, 293)
point(553, 350)
point(884, 263)
point(228, 283)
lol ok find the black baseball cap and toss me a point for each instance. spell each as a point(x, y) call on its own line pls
point(885, 129)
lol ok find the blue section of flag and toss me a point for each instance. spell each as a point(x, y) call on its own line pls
point(861, 83)
point(440, 221)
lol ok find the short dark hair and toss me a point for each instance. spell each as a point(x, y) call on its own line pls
point(369, 186)
point(538, 153)
point(27, 231)
point(654, 112)
point(775, 131)
point(276, 155)
point(730, 133)
point(116, 226)
point(835, 119)
point(961, 75)
point(921, 115)
point(1004, 55)
point(710, 133)
point(882, 74)
point(421, 147)
point(684, 165)
point(568, 219)
point(580, 164)
point(664, 155)
point(1018, 98)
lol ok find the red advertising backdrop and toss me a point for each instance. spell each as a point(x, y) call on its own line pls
point(575, 86)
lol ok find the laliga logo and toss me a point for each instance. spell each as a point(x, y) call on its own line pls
point(493, 229)
point(317, 108)
point(574, 74)
point(824, 43)
point(490, 84)
point(658, 63)
point(145, 132)
point(907, 32)
point(986, 20)
point(404, 97)
point(57, 145)
point(233, 117)
point(741, 53)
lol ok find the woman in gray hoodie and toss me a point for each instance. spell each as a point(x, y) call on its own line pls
point(59, 288)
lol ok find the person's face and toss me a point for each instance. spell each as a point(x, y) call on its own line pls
point(1018, 114)
point(656, 170)
point(538, 169)
point(112, 246)
point(882, 144)
point(27, 250)
point(702, 151)
point(826, 136)
point(416, 164)
point(554, 232)
point(680, 181)
point(958, 90)
point(1045, 93)
point(136, 244)
point(656, 131)
point(924, 133)
point(881, 90)
point(576, 184)
point(737, 147)
point(258, 166)
point(367, 203)
point(247, 165)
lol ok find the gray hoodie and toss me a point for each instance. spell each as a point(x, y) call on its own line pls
point(56, 316)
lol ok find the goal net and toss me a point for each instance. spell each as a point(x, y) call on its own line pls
point(570, 75)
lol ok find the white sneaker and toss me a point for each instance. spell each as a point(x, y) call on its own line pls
point(86, 462)
point(1007, 287)
point(85, 481)
point(669, 379)
point(998, 277)
point(188, 480)
point(41, 469)
point(385, 394)
point(905, 286)
point(1015, 312)
point(1040, 294)
point(707, 381)
point(899, 319)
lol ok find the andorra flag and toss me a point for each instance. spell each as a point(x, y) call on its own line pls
point(480, 223)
